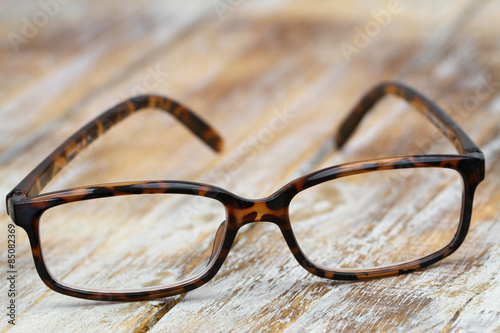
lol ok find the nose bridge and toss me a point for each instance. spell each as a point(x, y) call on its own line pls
point(260, 211)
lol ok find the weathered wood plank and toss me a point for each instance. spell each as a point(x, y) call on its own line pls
point(265, 66)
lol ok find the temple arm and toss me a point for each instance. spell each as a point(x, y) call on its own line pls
point(435, 114)
point(45, 171)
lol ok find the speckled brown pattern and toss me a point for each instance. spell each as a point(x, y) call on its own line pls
point(433, 112)
point(25, 210)
point(45, 171)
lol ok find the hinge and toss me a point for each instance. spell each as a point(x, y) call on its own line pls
point(479, 169)
point(14, 195)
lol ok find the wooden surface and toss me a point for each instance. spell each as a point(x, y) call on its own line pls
point(242, 67)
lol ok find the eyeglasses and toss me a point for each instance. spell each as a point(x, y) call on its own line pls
point(113, 242)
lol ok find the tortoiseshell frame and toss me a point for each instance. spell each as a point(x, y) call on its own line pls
point(25, 205)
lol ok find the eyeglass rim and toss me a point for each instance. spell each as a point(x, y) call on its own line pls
point(29, 211)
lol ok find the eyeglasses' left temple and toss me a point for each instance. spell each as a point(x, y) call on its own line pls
point(59, 158)
point(433, 112)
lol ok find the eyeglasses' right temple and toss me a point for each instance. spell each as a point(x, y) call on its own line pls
point(45, 171)
point(433, 112)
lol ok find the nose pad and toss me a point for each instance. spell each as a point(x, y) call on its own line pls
point(218, 241)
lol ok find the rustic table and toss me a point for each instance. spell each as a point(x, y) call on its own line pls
point(244, 66)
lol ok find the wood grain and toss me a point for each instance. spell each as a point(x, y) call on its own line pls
point(272, 79)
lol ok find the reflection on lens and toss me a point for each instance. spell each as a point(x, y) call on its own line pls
point(130, 242)
point(377, 219)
